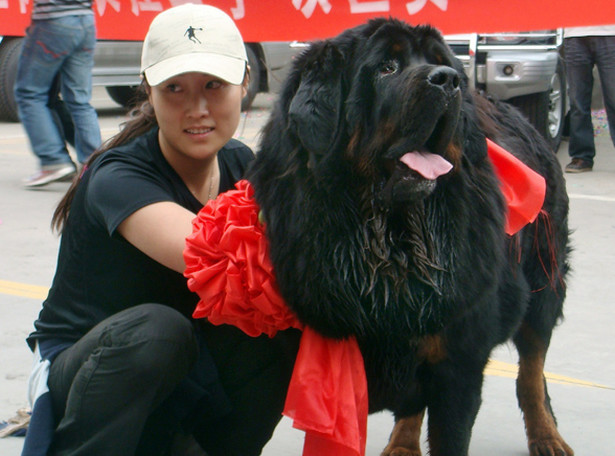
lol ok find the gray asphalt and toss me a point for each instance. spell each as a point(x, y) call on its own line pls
point(581, 363)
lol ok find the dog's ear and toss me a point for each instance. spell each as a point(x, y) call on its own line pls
point(315, 109)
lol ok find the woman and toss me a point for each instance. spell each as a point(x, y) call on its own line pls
point(129, 370)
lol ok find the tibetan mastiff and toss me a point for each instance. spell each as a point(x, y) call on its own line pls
point(386, 222)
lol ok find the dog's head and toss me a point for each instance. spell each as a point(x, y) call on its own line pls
point(383, 100)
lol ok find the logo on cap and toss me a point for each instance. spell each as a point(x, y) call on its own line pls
point(191, 35)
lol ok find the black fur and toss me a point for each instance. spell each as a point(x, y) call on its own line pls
point(420, 271)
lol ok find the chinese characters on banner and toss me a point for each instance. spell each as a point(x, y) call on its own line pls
point(304, 20)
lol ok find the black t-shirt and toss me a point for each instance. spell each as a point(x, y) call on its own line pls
point(98, 272)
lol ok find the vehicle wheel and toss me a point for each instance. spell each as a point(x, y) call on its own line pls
point(557, 107)
point(123, 95)
point(547, 110)
point(9, 57)
point(255, 79)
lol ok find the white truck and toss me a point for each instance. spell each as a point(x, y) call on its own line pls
point(524, 69)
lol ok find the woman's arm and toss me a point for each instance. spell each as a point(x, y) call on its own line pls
point(160, 230)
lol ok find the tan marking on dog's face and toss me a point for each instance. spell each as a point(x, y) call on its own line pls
point(364, 157)
point(454, 154)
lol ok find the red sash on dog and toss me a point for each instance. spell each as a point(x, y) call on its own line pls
point(523, 188)
point(228, 266)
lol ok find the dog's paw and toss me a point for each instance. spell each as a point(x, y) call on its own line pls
point(400, 451)
point(550, 447)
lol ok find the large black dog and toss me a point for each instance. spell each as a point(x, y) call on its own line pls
point(386, 222)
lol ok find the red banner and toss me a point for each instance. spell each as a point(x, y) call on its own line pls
point(304, 20)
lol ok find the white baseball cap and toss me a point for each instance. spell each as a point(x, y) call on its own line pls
point(193, 38)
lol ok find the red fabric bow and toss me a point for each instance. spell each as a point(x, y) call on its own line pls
point(524, 189)
point(228, 266)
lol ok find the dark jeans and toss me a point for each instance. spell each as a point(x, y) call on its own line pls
point(129, 384)
point(581, 55)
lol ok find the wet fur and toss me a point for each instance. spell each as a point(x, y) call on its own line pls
point(421, 273)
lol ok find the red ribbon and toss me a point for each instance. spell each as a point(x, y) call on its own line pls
point(228, 266)
point(524, 189)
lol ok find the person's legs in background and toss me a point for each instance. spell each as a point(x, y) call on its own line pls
point(605, 61)
point(44, 50)
point(579, 66)
point(60, 113)
point(76, 88)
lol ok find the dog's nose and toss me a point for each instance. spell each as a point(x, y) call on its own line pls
point(444, 76)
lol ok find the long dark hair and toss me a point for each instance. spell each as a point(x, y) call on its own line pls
point(141, 119)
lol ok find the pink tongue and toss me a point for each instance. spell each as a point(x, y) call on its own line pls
point(430, 166)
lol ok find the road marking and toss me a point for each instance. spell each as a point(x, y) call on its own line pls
point(23, 290)
point(502, 369)
point(610, 199)
point(495, 368)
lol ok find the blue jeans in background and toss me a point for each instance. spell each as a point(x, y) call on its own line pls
point(581, 54)
point(62, 46)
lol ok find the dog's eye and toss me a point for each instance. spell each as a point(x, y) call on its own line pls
point(388, 67)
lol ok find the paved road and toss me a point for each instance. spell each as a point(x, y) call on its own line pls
point(581, 359)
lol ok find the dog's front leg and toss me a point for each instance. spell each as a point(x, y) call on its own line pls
point(452, 408)
point(405, 439)
point(541, 428)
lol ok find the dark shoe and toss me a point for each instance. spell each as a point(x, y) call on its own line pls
point(578, 165)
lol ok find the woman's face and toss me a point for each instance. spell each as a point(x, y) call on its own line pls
point(197, 114)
